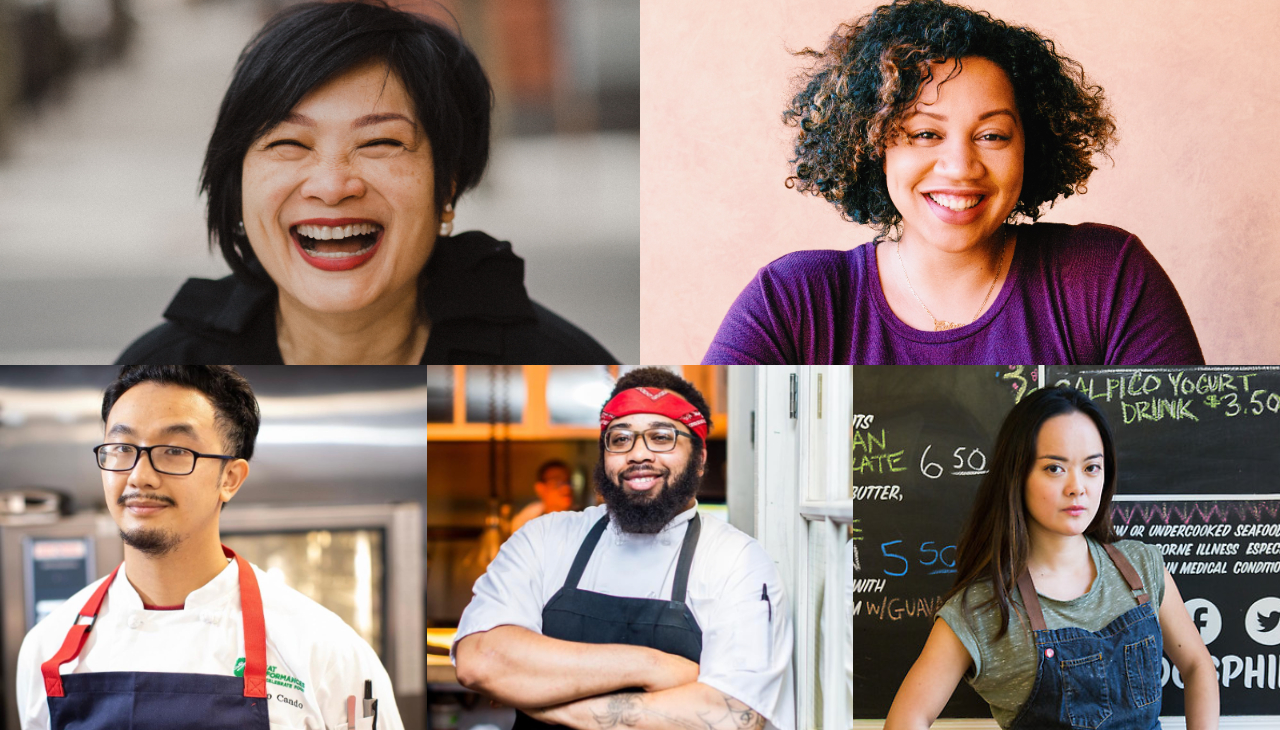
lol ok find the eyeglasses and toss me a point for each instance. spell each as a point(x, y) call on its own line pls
point(658, 440)
point(173, 460)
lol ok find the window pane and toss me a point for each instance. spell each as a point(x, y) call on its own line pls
point(575, 393)
point(495, 391)
point(816, 596)
point(341, 570)
point(846, 615)
point(440, 393)
point(816, 487)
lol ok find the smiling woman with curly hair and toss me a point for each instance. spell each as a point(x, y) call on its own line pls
point(940, 126)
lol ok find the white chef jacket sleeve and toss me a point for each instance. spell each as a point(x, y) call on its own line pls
point(510, 591)
point(746, 639)
point(346, 666)
point(33, 708)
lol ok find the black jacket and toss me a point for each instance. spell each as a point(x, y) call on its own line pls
point(476, 301)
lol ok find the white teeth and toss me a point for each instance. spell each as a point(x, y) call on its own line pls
point(327, 233)
point(955, 202)
point(339, 255)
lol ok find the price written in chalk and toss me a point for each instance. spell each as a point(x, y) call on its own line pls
point(968, 462)
point(1259, 403)
point(940, 559)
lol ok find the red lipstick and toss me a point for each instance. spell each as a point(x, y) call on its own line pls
point(342, 263)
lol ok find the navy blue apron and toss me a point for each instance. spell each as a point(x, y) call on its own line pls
point(573, 614)
point(1095, 679)
point(162, 700)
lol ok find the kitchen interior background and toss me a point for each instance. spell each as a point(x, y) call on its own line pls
point(776, 469)
point(339, 488)
point(334, 504)
point(491, 427)
point(106, 107)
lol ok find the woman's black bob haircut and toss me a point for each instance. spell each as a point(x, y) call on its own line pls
point(304, 46)
point(851, 104)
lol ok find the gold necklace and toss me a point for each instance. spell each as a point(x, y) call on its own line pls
point(940, 325)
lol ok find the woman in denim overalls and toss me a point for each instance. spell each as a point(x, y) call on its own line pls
point(1049, 487)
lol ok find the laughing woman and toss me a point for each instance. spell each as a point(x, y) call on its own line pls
point(347, 134)
point(1055, 623)
point(940, 126)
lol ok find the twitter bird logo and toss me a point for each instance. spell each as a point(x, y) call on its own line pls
point(1262, 621)
point(1268, 622)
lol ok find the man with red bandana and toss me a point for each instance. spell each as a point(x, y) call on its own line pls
point(638, 611)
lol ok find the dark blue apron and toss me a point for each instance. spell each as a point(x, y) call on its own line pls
point(1095, 679)
point(162, 700)
point(596, 618)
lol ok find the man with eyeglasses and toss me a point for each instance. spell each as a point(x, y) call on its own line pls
point(639, 612)
point(186, 634)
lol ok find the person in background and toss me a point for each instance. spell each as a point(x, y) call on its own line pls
point(185, 633)
point(555, 493)
point(639, 611)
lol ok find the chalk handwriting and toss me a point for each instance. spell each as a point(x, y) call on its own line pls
point(968, 462)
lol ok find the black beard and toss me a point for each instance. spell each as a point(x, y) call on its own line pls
point(150, 541)
point(641, 513)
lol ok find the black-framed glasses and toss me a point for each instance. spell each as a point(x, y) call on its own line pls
point(165, 459)
point(659, 440)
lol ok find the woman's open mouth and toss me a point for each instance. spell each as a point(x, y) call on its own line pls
point(956, 209)
point(338, 247)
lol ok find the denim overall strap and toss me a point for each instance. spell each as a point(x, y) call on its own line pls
point(1095, 680)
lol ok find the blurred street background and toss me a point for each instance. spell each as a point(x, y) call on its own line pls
point(106, 107)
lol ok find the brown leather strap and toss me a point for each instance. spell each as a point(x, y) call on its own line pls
point(1031, 601)
point(1126, 569)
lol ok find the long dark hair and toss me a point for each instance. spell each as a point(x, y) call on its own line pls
point(995, 543)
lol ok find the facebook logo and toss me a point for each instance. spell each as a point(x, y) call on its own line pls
point(1206, 617)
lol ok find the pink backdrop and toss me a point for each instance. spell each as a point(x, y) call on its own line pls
point(1196, 98)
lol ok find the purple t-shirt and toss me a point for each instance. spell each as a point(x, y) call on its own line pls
point(1086, 294)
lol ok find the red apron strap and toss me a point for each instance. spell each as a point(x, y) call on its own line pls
point(76, 637)
point(255, 628)
point(255, 633)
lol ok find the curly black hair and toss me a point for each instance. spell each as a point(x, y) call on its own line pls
point(851, 105)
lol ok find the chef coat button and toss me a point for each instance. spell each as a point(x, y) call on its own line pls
point(210, 617)
point(135, 621)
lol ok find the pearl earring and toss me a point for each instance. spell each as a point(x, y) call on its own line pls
point(446, 226)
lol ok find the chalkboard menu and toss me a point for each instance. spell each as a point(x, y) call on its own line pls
point(1199, 462)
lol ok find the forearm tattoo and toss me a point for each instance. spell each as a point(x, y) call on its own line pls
point(628, 710)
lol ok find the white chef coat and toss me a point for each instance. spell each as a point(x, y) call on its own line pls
point(746, 652)
point(314, 659)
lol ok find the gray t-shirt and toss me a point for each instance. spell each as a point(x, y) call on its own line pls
point(1004, 671)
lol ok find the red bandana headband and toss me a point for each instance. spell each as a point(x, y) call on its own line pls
point(654, 400)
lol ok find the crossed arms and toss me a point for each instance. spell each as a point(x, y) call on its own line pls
point(570, 683)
